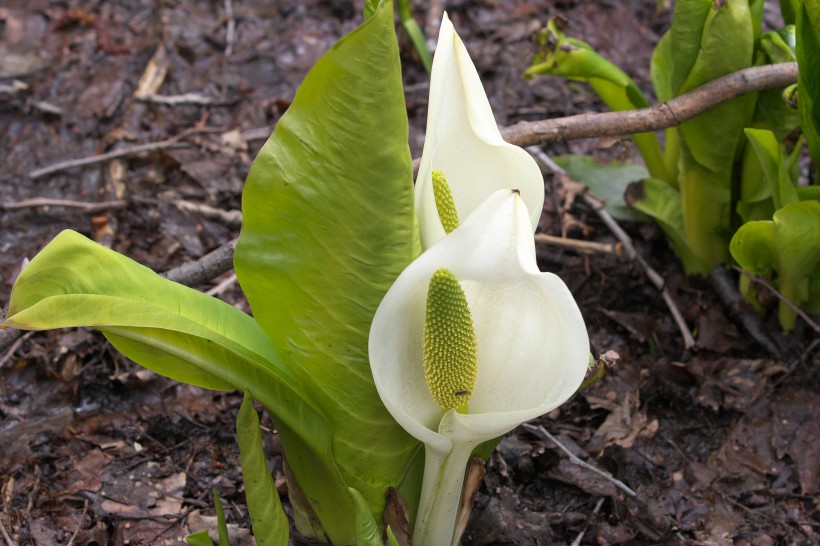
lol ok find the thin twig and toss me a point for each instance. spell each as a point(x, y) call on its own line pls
point(122, 152)
point(79, 524)
point(661, 116)
point(230, 218)
point(230, 28)
point(582, 247)
point(764, 283)
point(222, 286)
point(46, 202)
point(580, 537)
point(544, 433)
point(185, 98)
point(20, 338)
point(727, 291)
point(653, 276)
point(6, 536)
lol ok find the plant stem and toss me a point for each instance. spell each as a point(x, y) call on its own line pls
point(440, 494)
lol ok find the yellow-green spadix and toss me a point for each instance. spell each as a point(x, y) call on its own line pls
point(532, 348)
point(449, 344)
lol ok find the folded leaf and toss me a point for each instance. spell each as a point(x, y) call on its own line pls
point(268, 519)
point(808, 82)
point(168, 328)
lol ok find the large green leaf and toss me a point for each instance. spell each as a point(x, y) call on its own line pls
point(727, 45)
point(167, 327)
point(328, 226)
point(268, 519)
point(808, 83)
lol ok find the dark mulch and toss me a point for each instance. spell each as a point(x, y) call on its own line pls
point(720, 444)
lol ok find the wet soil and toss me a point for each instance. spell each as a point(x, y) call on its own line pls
point(715, 445)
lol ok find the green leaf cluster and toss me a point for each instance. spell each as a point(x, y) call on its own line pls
point(694, 180)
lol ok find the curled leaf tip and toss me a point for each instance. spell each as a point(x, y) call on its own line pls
point(450, 345)
point(445, 204)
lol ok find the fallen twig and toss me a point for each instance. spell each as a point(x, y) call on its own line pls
point(726, 289)
point(79, 524)
point(6, 536)
point(46, 202)
point(122, 152)
point(185, 98)
point(653, 276)
point(765, 284)
point(661, 116)
point(230, 28)
point(230, 218)
point(220, 288)
point(207, 267)
point(580, 537)
point(544, 433)
point(19, 338)
point(582, 247)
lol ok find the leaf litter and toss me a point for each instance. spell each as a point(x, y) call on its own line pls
point(720, 444)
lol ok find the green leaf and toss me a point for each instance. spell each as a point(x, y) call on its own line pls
point(391, 537)
point(328, 226)
point(727, 45)
point(367, 530)
point(608, 181)
point(773, 111)
point(164, 326)
point(685, 37)
point(370, 7)
point(268, 519)
point(414, 32)
point(221, 524)
point(790, 245)
point(662, 202)
point(199, 539)
point(773, 163)
point(661, 73)
point(789, 9)
point(808, 81)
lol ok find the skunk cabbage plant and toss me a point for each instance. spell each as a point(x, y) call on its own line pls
point(330, 234)
point(456, 375)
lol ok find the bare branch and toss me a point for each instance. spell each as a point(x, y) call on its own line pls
point(662, 116)
point(122, 152)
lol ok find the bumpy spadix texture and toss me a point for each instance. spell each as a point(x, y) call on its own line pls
point(449, 346)
point(445, 204)
point(532, 343)
point(463, 141)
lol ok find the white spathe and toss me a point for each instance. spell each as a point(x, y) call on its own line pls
point(463, 141)
point(533, 348)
